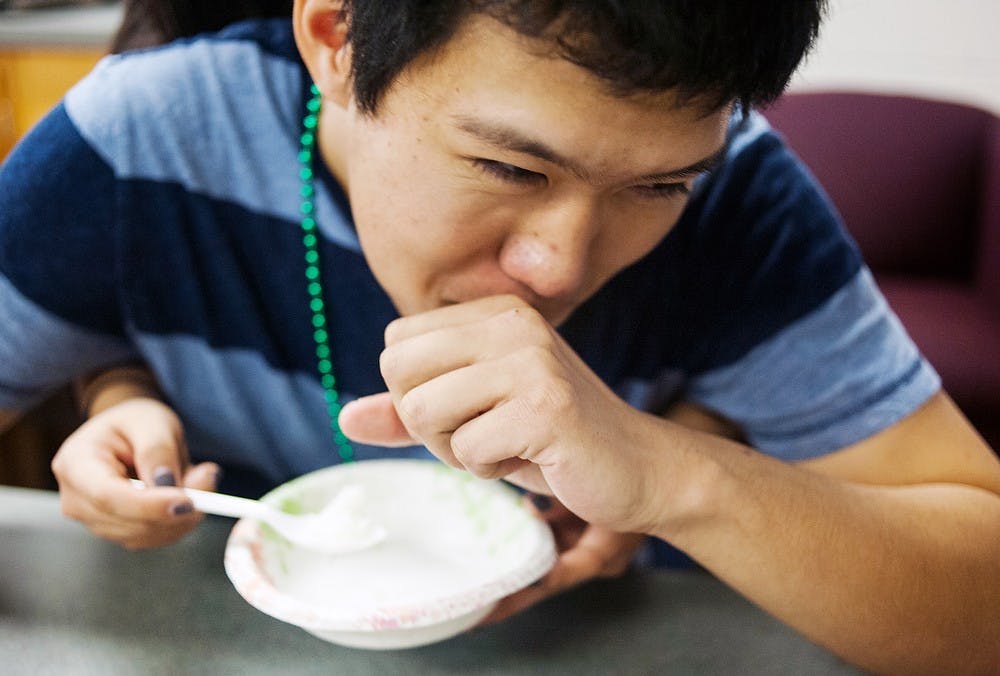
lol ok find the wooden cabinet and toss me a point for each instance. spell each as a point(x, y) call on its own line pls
point(32, 80)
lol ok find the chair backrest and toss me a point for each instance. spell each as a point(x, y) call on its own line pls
point(908, 175)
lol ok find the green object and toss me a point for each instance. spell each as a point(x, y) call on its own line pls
point(314, 286)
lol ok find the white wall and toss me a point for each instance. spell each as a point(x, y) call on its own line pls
point(944, 49)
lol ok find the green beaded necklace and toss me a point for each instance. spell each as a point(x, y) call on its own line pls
point(314, 282)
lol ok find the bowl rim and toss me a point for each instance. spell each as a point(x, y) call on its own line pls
point(244, 567)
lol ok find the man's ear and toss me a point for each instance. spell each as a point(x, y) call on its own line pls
point(321, 35)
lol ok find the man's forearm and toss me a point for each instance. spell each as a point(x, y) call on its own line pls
point(895, 579)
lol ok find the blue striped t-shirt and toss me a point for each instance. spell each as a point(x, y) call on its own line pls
point(153, 216)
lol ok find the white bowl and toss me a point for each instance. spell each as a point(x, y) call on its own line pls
point(455, 545)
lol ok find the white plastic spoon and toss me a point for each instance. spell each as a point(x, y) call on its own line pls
point(339, 528)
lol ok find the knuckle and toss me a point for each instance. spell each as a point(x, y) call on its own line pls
point(388, 363)
point(462, 448)
point(537, 359)
point(57, 466)
point(552, 398)
point(513, 301)
point(483, 471)
point(412, 411)
point(529, 324)
point(394, 331)
point(159, 450)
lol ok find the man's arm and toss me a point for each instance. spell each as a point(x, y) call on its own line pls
point(887, 552)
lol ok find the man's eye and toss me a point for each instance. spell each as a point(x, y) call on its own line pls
point(508, 172)
point(663, 190)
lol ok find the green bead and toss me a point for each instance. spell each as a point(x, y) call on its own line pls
point(315, 288)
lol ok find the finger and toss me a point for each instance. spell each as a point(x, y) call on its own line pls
point(133, 533)
point(158, 449)
point(567, 527)
point(434, 410)
point(450, 315)
point(513, 421)
point(132, 537)
point(529, 477)
point(409, 362)
point(97, 483)
point(547, 507)
point(373, 420)
point(567, 572)
point(514, 604)
point(615, 549)
point(203, 476)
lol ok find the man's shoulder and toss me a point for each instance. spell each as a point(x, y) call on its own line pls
point(215, 114)
point(183, 97)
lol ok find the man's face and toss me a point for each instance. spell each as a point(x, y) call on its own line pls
point(492, 168)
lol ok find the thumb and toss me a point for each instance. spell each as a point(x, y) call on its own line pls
point(159, 454)
point(373, 420)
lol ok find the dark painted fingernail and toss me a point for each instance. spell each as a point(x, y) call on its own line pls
point(542, 503)
point(181, 508)
point(162, 476)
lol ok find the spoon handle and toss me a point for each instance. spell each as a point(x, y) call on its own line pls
point(222, 504)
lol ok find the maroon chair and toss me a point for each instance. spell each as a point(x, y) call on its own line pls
point(918, 185)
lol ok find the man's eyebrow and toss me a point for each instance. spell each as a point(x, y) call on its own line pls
point(700, 167)
point(508, 138)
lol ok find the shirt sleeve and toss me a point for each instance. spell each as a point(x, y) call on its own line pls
point(59, 308)
point(801, 350)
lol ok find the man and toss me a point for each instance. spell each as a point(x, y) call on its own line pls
point(508, 169)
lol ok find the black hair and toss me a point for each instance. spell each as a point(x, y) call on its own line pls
point(712, 52)
point(146, 23)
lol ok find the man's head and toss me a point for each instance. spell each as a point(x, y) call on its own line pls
point(716, 51)
point(534, 148)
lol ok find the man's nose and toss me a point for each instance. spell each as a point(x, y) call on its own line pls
point(550, 251)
